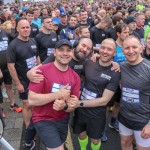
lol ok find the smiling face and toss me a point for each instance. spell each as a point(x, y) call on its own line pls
point(63, 55)
point(132, 49)
point(107, 51)
point(83, 49)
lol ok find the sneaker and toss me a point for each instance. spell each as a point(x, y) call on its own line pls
point(104, 137)
point(30, 146)
point(114, 125)
point(4, 93)
point(16, 108)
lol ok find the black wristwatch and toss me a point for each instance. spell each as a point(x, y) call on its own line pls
point(66, 107)
point(81, 104)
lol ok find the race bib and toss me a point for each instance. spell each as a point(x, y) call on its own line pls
point(130, 95)
point(87, 95)
point(56, 87)
point(31, 62)
point(50, 51)
point(3, 45)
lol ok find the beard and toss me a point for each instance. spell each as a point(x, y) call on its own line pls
point(79, 55)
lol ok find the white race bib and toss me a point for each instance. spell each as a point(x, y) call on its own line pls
point(130, 95)
point(50, 51)
point(87, 95)
point(56, 87)
point(31, 62)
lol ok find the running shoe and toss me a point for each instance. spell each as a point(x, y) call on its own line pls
point(16, 108)
point(30, 146)
point(114, 125)
point(104, 137)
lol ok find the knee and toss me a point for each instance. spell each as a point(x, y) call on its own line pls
point(26, 104)
point(126, 142)
point(82, 135)
point(95, 142)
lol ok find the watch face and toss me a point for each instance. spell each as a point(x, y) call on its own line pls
point(81, 104)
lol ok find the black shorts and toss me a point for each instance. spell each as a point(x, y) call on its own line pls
point(115, 98)
point(93, 127)
point(6, 76)
point(52, 133)
point(24, 95)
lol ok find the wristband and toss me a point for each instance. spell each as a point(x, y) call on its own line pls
point(66, 107)
point(148, 123)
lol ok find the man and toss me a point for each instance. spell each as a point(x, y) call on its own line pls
point(98, 33)
point(134, 115)
point(131, 22)
point(36, 19)
point(4, 40)
point(140, 19)
point(59, 88)
point(90, 117)
point(22, 56)
point(69, 32)
point(64, 22)
point(34, 27)
point(57, 16)
point(46, 39)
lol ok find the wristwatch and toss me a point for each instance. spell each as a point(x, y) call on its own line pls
point(81, 104)
point(66, 107)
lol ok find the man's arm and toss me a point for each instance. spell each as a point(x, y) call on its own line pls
point(36, 99)
point(102, 101)
point(13, 73)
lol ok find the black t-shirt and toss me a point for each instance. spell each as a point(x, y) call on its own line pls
point(23, 54)
point(145, 55)
point(111, 33)
point(45, 44)
point(34, 30)
point(4, 41)
point(140, 32)
point(97, 79)
point(147, 22)
point(77, 66)
point(97, 35)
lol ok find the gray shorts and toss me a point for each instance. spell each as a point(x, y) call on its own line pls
point(52, 133)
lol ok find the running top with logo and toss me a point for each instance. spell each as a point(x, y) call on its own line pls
point(53, 81)
point(34, 30)
point(97, 79)
point(135, 101)
point(4, 41)
point(23, 54)
point(119, 57)
point(77, 66)
point(45, 44)
point(97, 35)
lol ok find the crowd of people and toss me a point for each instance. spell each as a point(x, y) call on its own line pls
point(81, 58)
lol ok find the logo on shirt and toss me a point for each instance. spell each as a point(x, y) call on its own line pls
point(54, 39)
point(103, 34)
point(33, 46)
point(105, 76)
point(34, 29)
point(78, 67)
point(5, 38)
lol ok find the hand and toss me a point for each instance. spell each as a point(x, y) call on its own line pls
point(59, 104)
point(20, 88)
point(73, 102)
point(94, 57)
point(64, 93)
point(35, 75)
point(1, 74)
point(146, 132)
point(70, 35)
point(115, 66)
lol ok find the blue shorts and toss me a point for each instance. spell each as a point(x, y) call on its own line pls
point(52, 133)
